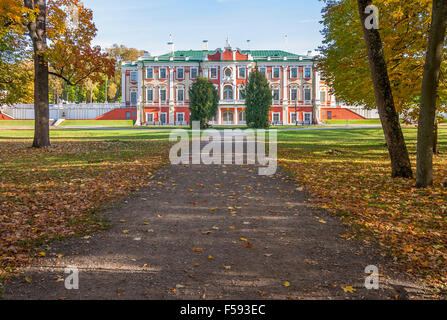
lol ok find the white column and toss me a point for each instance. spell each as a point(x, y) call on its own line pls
point(171, 96)
point(123, 87)
point(285, 102)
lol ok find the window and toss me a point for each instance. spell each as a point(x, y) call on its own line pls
point(276, 73)
point(276, 116)
point(228, 92)
point(163, 118)
point(163, 95)
point(294, 73)
point(307, 72)
point(242, 72)
point(133, 98)
point(329, 115)
point(128, 115)
point(149, 117)
point(241, 116)
point(323, 97)
point(293, 117)
point(241, 93)
point(227, 117)
point(275, 94)
point(180, 117)
point(163, 74)
point(307, 94)
point(194, 72)
point(150, 94)
point(228, 73)
point(263, 71)
point(180, 73)
point(294, 94)
point(213, 73)
point(180, 94)
point(307, 117)
point(150, 73)
point(133, 76)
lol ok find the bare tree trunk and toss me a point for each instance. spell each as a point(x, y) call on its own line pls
point(37, 31)
point(400, 161)
point(430, 82)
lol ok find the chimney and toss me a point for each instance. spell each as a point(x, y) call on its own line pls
point(205, 45)
point(248, 45)
point(309, 53)
point(171, 45)
point(146, 54)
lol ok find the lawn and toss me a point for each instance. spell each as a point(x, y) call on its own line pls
point(348, 173)
point(56, 193)
point(17, 123)
point(97, 123)
point(353, 122)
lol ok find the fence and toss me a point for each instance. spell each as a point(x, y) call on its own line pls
point(62, 111)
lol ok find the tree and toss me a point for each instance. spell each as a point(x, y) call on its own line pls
point(400, 160)
point(258, 98)
point(38, 33)
point(70, 56)
point(427, 115)
point(204, 101)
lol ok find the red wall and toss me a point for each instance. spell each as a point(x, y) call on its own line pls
point(5, 117)
point(340, 114)
point(119, 114)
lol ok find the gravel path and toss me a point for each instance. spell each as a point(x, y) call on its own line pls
point(214, 232)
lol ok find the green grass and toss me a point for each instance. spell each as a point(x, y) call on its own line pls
point(99, 123)
point(17, 123)
point(88, 134)
point(358, 122)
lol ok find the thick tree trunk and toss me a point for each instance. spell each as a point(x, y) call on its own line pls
point(400, 161)
point(37, 30)
point(430, 82)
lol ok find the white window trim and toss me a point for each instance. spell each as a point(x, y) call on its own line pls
point(153, 118)
point(291, 72)
point(183, 72)
point(159, 116)
point(147, 77)
point(273, 73)
point(180, 88)
point(294, 87)
point(190, 72)
point(276, 113)
point(276, 87)
point(239, 72)
point(136, 76)
point(147, 89)
point(304, 116)
point(176, 116)
point(304, 72)
point(159, 73)
point(159, 94)
point(211, 73)
point(304, 94)
point(265, 72)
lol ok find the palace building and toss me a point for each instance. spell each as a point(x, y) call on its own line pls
point(159, 85)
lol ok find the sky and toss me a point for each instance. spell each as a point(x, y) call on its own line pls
point(147, 24)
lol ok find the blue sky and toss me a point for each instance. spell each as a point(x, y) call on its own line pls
point(146, 24)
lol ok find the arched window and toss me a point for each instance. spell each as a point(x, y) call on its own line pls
point(228, 73)
point(241, 116)
point(228, 92)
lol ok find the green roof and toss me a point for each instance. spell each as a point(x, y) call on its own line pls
point(198, 55)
